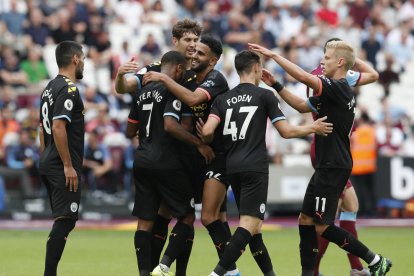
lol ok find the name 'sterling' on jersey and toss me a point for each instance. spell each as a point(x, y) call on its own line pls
point(150, 94)
point(239, 98)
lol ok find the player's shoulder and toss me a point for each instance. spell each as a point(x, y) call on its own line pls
point(155, 66)
point(63, 83)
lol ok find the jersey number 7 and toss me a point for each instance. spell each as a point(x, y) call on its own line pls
point(231, 128)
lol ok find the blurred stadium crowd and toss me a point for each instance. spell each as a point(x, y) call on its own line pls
point(113, 31)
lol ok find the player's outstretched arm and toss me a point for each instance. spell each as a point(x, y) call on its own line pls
point(368, 74)
point(291, 68)
point(126, 85)
point(183, 94)
point(291, 99)
point(289, 131)
point(175, 129)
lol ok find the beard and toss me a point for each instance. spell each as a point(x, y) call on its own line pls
point(200, 67)
point(79, 73)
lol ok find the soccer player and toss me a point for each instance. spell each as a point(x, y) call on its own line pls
point(334, 98)
point(242, 115)
point(61, 136)
point(211, 83)
point(158, 172)
point(185, 35)
point(348, 202)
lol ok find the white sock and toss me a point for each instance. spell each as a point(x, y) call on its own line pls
point(233, 272)
point(164, 268)
point(375, 260)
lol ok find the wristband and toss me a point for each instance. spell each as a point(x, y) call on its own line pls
point(277, 86)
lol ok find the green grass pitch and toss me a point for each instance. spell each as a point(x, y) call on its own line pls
point(104, 252)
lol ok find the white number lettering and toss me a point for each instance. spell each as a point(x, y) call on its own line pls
point(45, 122)
point(148, 107)
point(323, 200)
point(231, 128)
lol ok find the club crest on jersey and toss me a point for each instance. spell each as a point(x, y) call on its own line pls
point(74, 207)
point(68, 104)
point(262, 208)
point(177, 105)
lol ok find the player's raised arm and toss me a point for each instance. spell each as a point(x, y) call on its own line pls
point(368, 74)
point(291, 68)
point(183, 94)
point(126, 85)
point(291, 99)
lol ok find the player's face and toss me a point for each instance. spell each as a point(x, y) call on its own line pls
point(186, 44)
point(79, 67)
point(179, 73)
point(201, 58)
point(328, 63)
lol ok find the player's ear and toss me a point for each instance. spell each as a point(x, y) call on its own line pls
point(174, 41)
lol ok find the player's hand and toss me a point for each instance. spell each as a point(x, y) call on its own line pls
point(199, 127)
point(151, 76)
point(207, 152)
point(260, 49)
point(268, 77)
point(129, 67)
point(322, 128)
point(71, 178)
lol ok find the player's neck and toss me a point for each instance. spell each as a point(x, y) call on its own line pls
point(68, 74)
point(248, 79)
point(339, 74)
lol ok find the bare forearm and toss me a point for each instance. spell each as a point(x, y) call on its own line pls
point(122, 85)
point(368, 74)
point(298, 131)
point(61, 141)
point(294, 101)
point(179, 133)
point(183, 94)
point(292, 69)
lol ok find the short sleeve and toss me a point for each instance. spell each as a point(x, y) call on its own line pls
point(215, 109)
point(215, 84)
point(352, 77)
point(133, 116)
point(65, 101)
point(273, 107)
point(173, 107)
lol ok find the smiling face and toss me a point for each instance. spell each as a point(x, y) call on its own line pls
point(186, 44)
point(202, 58)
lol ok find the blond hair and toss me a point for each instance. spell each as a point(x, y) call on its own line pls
point(343, 50)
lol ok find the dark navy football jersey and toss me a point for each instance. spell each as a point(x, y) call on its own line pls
point(157, 149)
point(336, 101)
point(243, 113)
point(213, 85)
point(61, 101)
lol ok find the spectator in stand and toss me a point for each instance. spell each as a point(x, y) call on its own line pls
point(400, 43)
point(7, 123)
point(34, 67)
point(24, 156)
point(64, 30)
point(31, 123)
point(92, 100)
point(10, 70)
point(371, 46)
point(364, 155)
point(102, 124)
point(237, 31)
point(37, 32)
point(7, 98)
point(14, 19)
point(389, 75)
point(151, 46)
point(97, 165)
point(359, 12)
point(326, 15)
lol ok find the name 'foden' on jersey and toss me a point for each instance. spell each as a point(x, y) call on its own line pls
point(239, 98)
point(150, 94)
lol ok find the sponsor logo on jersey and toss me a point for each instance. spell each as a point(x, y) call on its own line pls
point(208, 83)
point(68, 104)
point(74, 207)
